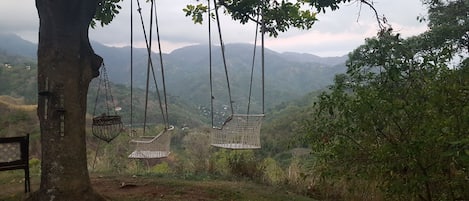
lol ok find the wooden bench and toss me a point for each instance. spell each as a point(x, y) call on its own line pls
point(14, 154)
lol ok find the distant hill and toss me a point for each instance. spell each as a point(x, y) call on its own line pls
point(14, 45)
point(288, 76)
point(291, 85)
point(18, 77)
point(304, 57)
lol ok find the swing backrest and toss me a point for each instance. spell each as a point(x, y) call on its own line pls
point(240, 131)
point(152, 146)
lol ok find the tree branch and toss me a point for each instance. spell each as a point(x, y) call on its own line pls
point(380, 21)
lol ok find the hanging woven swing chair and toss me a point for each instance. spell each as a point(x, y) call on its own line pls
point(239, 131)
point(106, 126)
point(147, 147)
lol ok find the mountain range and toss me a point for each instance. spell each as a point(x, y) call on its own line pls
point(288, 76)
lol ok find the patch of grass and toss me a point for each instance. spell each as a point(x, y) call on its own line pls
point(15, 103)
point(7, 177)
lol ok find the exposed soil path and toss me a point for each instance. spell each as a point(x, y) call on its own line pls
point(152, 188)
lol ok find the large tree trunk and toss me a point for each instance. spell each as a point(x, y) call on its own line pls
point(66, 65)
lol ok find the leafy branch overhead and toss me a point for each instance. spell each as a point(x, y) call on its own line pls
point(278, 16)
point(105, 12)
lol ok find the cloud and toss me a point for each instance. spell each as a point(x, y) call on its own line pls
point(19, 17)
point(335, 34)
point(338, 33)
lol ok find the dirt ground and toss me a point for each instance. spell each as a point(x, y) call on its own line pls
point(133, 188)
point(143, 189)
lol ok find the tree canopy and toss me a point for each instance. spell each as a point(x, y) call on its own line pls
point(277, 16)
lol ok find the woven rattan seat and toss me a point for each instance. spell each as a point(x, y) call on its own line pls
point(147, 147)
point(240, 131)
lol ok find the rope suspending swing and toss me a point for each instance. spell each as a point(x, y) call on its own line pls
point(108, 125)
point(157, 146)
point(239, 131)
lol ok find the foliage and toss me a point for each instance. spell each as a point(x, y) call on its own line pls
point(281, 128)
point(243, 163)
point(197, 147)
point(219, 163)
point(400, 116)
point(277, 16)
point(196, 12)
point(18, 77)
point(273, 173)
point(162, 168)
point(35, 166)
point(105, 12)
point(237, 163)
point(448, 22)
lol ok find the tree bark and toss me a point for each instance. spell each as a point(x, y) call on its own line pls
point(66, 65)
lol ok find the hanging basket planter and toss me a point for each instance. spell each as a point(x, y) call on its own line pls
point(107, 127)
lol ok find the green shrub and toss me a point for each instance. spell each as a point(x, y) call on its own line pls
point(243, 163)
point(273, 173)
point(35, 166)
point(162, 168)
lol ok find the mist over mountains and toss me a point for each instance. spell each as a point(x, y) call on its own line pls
point(288, 75)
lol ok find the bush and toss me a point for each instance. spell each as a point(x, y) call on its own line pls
point(197, 147)
point(35, 166)
point(273, 173)
point(244, 164)
point(162, 168)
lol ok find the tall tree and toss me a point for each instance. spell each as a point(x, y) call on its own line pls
point(67, 64)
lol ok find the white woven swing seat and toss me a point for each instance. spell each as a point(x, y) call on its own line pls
point(149, 154)
point(240, 131)
point(147, 147)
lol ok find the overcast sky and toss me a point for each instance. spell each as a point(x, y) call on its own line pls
point(335, 34)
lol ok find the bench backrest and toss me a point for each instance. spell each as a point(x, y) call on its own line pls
point(14, 154)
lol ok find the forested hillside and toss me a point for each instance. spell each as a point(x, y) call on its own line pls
point(187, 73)
point(191, 107)
point(18, 77)
point(288, 76)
